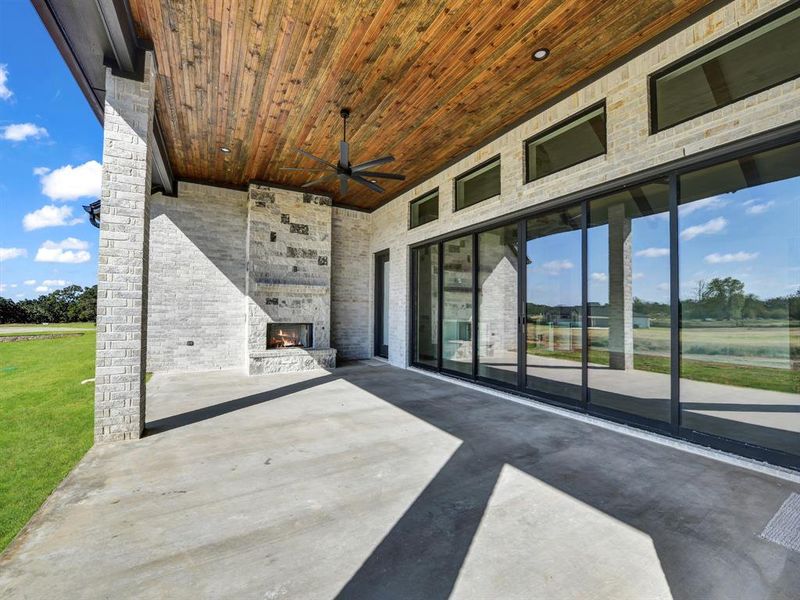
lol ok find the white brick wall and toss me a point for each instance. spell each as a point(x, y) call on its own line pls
point(197, 279)
point(630, 149)
point(351, 310)
point(123, 253)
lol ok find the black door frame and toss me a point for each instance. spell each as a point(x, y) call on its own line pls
point(380, 346)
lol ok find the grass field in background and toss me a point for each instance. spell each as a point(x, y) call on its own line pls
point(45, 419)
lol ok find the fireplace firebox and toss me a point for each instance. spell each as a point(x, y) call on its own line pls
point(290, 335)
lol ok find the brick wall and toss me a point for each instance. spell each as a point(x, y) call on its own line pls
point(351, 309)
point(122, 284)
point(630, 149)
point(197, 279)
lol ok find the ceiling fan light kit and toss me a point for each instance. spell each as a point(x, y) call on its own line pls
point(343, 170)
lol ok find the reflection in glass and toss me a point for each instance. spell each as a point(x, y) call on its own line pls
point(478, 185)
point(457, 305)
point(426, 350)
point(739, 252)
point(425, 209)
point(553, 308)
point(580, 138)
point(497, 304)
point(629, 303)
point(747, 64)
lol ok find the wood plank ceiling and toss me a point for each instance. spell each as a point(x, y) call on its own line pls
point(426, 80)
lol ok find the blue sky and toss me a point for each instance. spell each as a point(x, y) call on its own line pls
point(750, 234)
point(50, 150)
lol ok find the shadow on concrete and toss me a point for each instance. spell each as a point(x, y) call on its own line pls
point(702, 516)
point(217, 410)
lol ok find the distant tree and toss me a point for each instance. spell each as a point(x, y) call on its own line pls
point(84, 308)
point(11, 312)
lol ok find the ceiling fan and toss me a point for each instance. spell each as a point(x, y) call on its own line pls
point(343, 170)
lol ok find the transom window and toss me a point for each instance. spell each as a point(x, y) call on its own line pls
point(424, 209)
point(574, 141)
point(479, 184)
point(753, 59)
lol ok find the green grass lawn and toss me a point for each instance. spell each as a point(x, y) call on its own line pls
point(45, 420)
point(764, 378)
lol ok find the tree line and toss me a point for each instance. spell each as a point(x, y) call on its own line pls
point(70, 304)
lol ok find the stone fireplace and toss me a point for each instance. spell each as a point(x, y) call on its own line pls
point(288, 281)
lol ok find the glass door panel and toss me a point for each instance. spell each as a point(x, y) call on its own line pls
point(739, 249)
point(553, 328)
point(629, 301)
point(426, 307)
point(497, 304)
point(457, 305)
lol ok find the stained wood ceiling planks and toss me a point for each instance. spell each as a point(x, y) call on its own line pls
point(426, 80)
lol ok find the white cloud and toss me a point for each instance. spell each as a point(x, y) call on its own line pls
point(599, 277)
point(713, 226)
point(9, 253)
point(2, 287)
point(49, 216)
point(664, 287)
point(653, 252)
point(42, 288)
point(55, 282)
point(39, 171)
point(716, 258)
point(5, 93)
point(70, 250)
point(754, 207)
point(29, 282)
point(638, 276)
point(712, 203)
point(70, 183)
point(19, 132)
point(553, 267)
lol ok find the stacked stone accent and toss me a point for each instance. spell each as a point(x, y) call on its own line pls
point(351, 309)
point(288, 276)
point(196, 308)
point(122, 281)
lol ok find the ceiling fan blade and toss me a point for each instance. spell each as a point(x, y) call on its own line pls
point(373, 186)
point(373, 163)
point(320, 180)
point(316, 158)
point(344, 153)
point(381, 175)
point(304, 169)
point(343, 184)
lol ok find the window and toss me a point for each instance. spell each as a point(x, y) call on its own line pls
point(457, 305)
point(424, 209)
point(757, 57)
point(479, 184)
point(628, 287)
point(578, 139)
point(739, 250)
point(426, 305)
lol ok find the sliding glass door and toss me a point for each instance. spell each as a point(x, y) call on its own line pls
point(457, 303)
point(553, 308)
point(672, 304)
point(498, 325)
point(739, 248)
point(628, 285)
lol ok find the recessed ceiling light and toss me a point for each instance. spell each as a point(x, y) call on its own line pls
point(225, 149)
point(541, 54)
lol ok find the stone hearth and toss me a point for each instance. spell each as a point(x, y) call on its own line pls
point(288, 277)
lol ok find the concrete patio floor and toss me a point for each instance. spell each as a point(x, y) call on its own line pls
point(375, 482)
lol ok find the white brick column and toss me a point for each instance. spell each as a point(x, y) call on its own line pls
point(123, 254)
point(620, 289)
